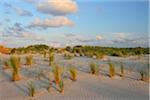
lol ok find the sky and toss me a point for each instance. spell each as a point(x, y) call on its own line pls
point(59, 23)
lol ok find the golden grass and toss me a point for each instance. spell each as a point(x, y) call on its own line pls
point(61, 86)
point(51, 58)
point(31, 89)
point(73, 73)
point(94, 68)
point(57, 72)
point(15, 64)
point(111, 70)
point(29, 59)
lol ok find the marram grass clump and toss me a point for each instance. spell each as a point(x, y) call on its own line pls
point(31, 89)
point(29, 60)
point(15, 64)
point(111, 70)
point(122, 71)
point(73, 73)
point(57, 72)
point(61, 86)
point(6, 64)
point(51, 58)
point(94, 68)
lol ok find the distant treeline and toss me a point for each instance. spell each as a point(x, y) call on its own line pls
point(84, 50)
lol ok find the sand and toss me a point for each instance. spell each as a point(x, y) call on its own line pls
point(87, 86)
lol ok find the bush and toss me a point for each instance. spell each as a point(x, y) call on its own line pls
point(94, 68)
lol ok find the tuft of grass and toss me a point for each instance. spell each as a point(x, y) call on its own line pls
point(57, 72)
point(144, 75)
point(15, 64)
point(49, 85)
point(94, 68)
point(73, 73)
point(29, 60)
point(51, 58)
point(31, 89)
point(122, 71)
point(111, 70)
point(68, 56)
point(44, 54)
point(61, 86)
point(6, 64)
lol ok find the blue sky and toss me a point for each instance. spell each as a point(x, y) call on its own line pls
point(69, 22)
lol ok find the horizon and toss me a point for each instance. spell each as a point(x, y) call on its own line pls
point(121, 24)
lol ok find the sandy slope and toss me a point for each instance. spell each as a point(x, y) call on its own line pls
point(87, 87)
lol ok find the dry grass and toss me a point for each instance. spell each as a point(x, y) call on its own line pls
point(111, 70)
point(61, 86)
point(94, 68)
point(51, 58)
point(29, 60)
point(122, 71)
point(15, 64)
point(73, 73)
point(31, 89)
point(57, 72)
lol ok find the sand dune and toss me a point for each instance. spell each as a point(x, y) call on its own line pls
point(87, 87)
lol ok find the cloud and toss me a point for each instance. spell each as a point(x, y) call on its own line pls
point(55, 22)
point(19, 11)
point(99, 37)
point(57, 7)
point(23, 12)
point(18, 31)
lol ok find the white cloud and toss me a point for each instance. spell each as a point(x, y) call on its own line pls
point(99, 37)
point(55, 22)
point(57, 7)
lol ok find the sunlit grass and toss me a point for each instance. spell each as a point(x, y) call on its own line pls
point(51, 58)
point(111, 70)
point(29, 59)
point(94, 68)
point(73, 73)
point(57, 72)
point(122, 71)
point(68, 56)
point(61, 86)
point(31, 89)
point(15, 64)
point(6, 64)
